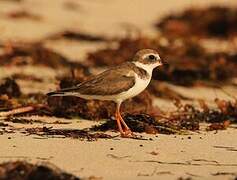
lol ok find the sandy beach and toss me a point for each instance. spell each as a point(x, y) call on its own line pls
point(196, 155)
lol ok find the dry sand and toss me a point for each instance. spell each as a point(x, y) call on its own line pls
point(200, 155)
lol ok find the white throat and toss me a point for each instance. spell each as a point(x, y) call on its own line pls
point(147, 67)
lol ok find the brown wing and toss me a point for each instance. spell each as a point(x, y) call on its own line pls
point(110, 82)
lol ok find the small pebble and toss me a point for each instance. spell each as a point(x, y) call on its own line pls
point(189, 137)
point(111, 149)
point(9, 138)
point(141, 145)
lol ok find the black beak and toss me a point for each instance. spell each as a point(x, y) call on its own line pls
point(165, 63)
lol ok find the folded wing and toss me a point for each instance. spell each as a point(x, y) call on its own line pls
point(107, 83)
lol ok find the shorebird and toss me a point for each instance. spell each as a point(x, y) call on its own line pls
point(118, 84)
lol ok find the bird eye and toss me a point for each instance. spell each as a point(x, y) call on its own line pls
point(151, 57)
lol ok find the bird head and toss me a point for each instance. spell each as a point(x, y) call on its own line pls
point(147, 59)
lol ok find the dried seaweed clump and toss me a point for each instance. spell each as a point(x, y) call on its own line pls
point(213, 21)
point(77, 35)
point(9, 87)
point(185, 117)
point(9, 90)
point(225, 111)
point(151, 125)
point(138, 123)
point(67, 133)
point(22, 170)
point(219, 118)
point(190, 63)
point(13, 102)
point(33, 54)
point(23, 14)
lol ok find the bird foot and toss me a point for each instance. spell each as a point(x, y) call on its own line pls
point(127, 134)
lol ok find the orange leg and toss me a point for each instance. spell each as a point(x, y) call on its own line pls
point(126, 132)
point(118, 123)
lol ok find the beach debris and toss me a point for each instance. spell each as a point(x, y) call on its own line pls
point(185, 118)
point(9, 87)
point(117, 157)
point(219, 118)
point(67, 133)
point(218, 126)
point(71, 5)
point(13, 0)
point(154, 153)
point(22, 170)
point(38, 109)
point(17, 111)
point(13, 102)
point(216, 21)
point(140, 123)
point(223, 173)
point(3, 124)
point(19, 54)
point(19, 120)
point(77, 36)
point(23, 14)
point(9, 91)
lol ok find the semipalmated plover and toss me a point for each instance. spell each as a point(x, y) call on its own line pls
point(118, 83)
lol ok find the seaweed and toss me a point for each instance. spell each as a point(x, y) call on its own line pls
point(151, 125)
point(186, 117)
point(22, 170)
point(69, 133)
point(9, 87)
point(19, 54)
point(216, 21)
point(77, 35)
point(23, 14)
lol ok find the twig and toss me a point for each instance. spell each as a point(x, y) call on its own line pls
point(17, 111)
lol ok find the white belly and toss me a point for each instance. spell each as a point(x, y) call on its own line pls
point(139, 86)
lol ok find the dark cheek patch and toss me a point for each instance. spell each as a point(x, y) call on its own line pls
point(145, 61)
point(148, 61)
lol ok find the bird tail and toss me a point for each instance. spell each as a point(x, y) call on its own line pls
point(62, 92)
point(56, 93)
